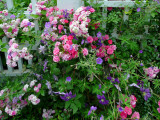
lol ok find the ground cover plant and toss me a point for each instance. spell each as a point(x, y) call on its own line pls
point(80, 70)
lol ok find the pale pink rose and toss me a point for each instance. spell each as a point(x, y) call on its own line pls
point(51, 18)
point(56, 51)
point(85, 51)
point(159, 103)
point(113, 47)
point(15, 45)
point(64, 37)
point(136, 115)
point(56, 59)
point(158, 109)
point(39, 85)
point(57, 44)
point(110, 51)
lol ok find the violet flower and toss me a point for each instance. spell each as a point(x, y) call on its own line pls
point(102, 117)
point(92, 109)
point(141, 51)
point(99, 60)
point(12, 16)
point(68, 79)
point(47, 25)
point(65, 13)
point(68, 96)
point(42, 49)
point(138, 9)
point(146, 93)
point(45, 65)
point(99, 34)
point(102, 100)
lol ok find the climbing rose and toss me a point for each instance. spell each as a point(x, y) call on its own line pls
point(85, 51)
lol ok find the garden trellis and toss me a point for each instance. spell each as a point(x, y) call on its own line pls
point(62, 4)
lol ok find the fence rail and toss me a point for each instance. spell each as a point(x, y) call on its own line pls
point(62, 4)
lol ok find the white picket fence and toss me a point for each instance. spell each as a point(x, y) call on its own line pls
point(62, 4)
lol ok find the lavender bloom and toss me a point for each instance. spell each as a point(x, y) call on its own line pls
point(141, 64)
point(134, 85)
point(12, 16)
point(68, 79)
point(68, 96)
point(42, 49)
point(39, 77)
point(82, 42)
point(120, 109)
point(141, 51)
point(99, 60)
point(29, 23)
point(103, 92)
point(99, 86)
point(102, 117)
point(55, 77)
point(146, 93)
point(45, 65)
point(47, 25)
point(102, 100)
point(131, 56)
point(92, 109)
point(99, 34)
point(138, 9)
point(88, 7)
point(14, 101)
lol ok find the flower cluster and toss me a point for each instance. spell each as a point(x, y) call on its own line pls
point(10, 28)
point(128, 110)
point(39, 7)
point(34, 100)
point(80, 21)
point(4, 12)
point(25, 24)
point(68, 49)
point(47, 113)
point(152, 72)
point(14, 54)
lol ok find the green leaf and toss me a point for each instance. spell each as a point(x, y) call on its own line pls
point(77, 103)
point(74, 107)
point(4, 49)
point(109, 61)
point(34, 16)
point(10, 29)
point(42, 93)
point(67, 104)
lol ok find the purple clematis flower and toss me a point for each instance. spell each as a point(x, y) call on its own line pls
point(88, 7)
point(146, 93)
point(68, 96)
point(99, 60)
point(138, 9)
point(141, 51)
point(92, 109)
point(29, 23)
point(141, 64)
point(65, 13)
point(99, 34)
point(102, 100)
point(140, 82)
point(109, 78)
point(120, 109)
point(42, 49)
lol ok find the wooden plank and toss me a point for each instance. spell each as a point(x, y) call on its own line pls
point(9, 4)
point(118, 3)
point(20, 64)
point(1, 65)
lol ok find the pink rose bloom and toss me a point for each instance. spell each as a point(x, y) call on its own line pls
point(56, 51)
point(128, 110)
point(106, 37)
point(133, 101)
point(92, 10)
point(57, 44)
point(51, 18)
point(123, 115)
point(136, 115)
point(90, 39)
point(47, 14)
point(64, 37)
point(56, 59)
point(85, 51)
point(158, 109)
point(14, 54)
point(159, 103)
point(66, 47)
point(13, 113)
point(110, 51)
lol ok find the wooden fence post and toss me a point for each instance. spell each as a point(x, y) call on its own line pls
point(9, 4)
